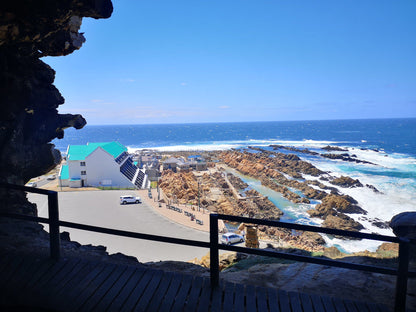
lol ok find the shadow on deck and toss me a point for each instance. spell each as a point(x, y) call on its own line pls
point(41, 284)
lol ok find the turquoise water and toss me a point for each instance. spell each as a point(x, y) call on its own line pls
point(292, 212)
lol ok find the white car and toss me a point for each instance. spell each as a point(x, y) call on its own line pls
point(128, 199)
point(32, 184)
point(231, 238)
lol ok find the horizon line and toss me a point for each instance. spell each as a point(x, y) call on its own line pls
point(255, 121)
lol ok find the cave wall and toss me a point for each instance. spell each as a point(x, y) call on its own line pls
point(29, 118)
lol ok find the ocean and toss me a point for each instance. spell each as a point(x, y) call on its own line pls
point(390, 144)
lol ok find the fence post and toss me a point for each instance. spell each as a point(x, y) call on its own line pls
point(54, 239)
point(213, 239)
point(401, 283)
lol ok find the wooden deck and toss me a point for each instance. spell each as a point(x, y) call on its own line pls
point(30, 284)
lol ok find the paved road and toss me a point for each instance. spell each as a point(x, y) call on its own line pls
point(102, 208)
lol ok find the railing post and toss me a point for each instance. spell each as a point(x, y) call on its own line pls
point(401, 283)
point(54, 239)
point(213, 251)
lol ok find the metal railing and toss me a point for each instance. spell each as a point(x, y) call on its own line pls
point(402, 272)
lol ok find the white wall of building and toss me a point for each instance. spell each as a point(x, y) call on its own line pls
point(101, 169)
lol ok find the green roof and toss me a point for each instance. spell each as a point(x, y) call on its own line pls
point(64, 172)
point(80, 152)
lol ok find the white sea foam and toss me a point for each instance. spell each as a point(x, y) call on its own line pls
point(352, 245)
point(394, 160)
point(226, 145)
point(397, 194)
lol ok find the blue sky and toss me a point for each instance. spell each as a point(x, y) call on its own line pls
point(164, 61)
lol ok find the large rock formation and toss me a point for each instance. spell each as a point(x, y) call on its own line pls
point(284, 173)
point(29, 118)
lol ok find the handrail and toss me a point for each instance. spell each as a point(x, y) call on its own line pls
point(402, 272)
point(311, 228)
point(53, 213)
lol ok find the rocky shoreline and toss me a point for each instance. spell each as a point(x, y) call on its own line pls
point(221, 191)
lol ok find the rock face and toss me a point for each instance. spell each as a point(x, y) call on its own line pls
point(284, 173)
point(346, 182)
point(317, 279)
point(181, 186)
point(29, 118)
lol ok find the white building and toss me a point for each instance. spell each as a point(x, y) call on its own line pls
point(101, 164)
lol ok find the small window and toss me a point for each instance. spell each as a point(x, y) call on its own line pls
point(83, 172)
point(82, 163)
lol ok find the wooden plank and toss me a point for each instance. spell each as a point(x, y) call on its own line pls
point(25, 270)
point(361, 307)
point(93, 286)
point(171, 292)
point(273, 300)
point(261, 299)
point(83, 269)
point(14, 289)
point(239, 298)
point(295, 301)
point(306, 302)
point(62, 278)
point(53, 270)
point(339, 305)
point(103, 288)
point(28, 292)
point(4, 262)
point(149, 291)
point(126, 291)
point(138, 291)
point(204, 299)
point(39, 293)
point(216, 298)
point(58, 287)
point(34, 279)
point(317, 303)
point(283, 300)
point(11, 289)
point(10, 270)
point(71, 297)
point(329, 306)
point(179, 304)
point(228, 289)
point(250, 298)
point(375, 307)
point(194, 294)
point(160, 291)
point(350, 306)
point(106, 301)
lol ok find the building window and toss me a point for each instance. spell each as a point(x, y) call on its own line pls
point(82, 163)
point(83, 173)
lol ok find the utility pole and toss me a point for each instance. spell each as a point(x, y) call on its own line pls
point(199, 201)
point(158, 190)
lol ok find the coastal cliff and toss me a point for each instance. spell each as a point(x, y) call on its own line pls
point(29, 118)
